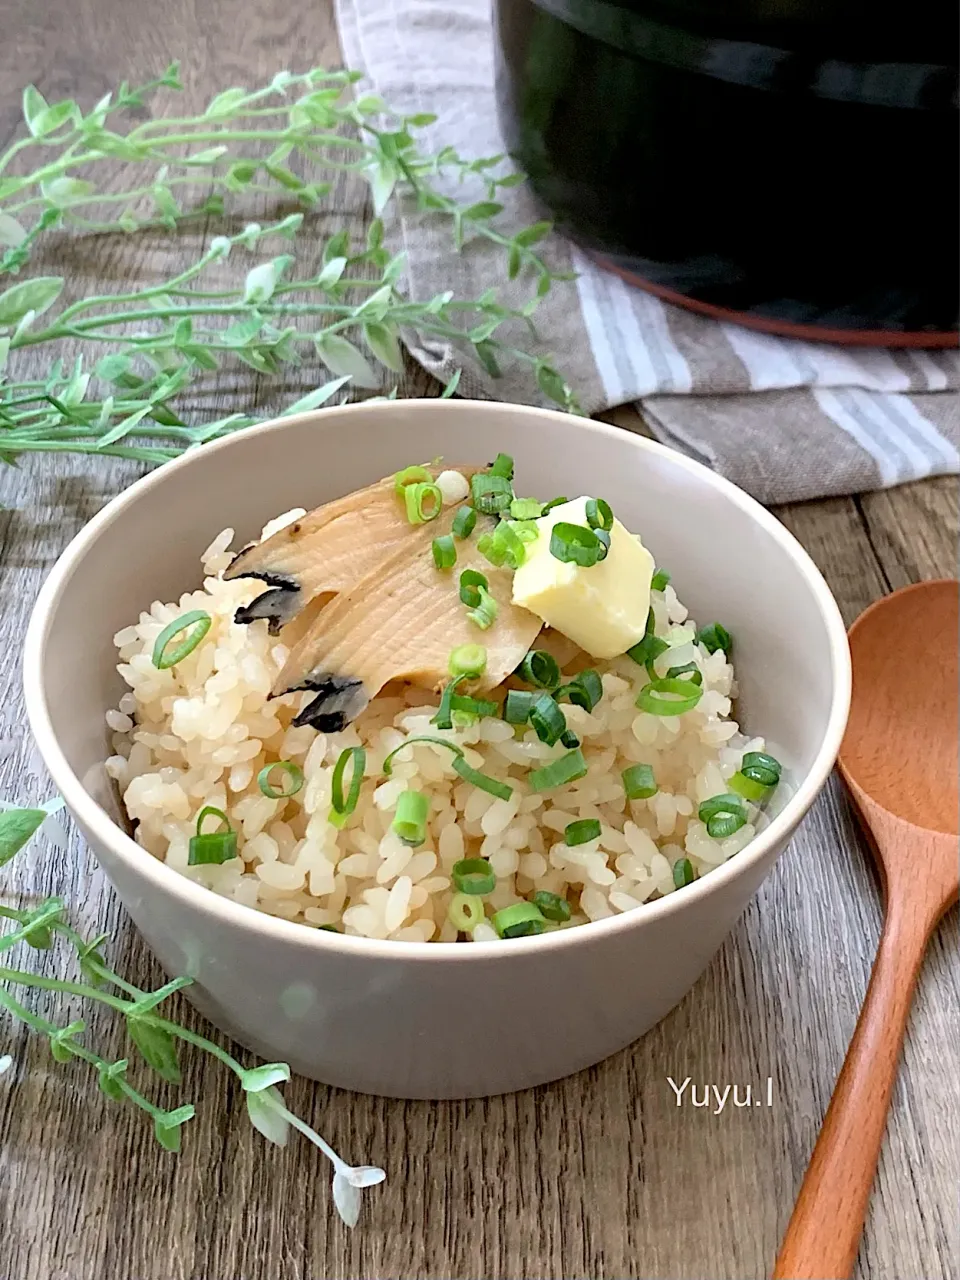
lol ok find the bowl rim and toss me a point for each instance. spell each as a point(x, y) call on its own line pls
point(186, 892)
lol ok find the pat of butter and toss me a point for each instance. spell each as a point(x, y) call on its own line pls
point(602, 608)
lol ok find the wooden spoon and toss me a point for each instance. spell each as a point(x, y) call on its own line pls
point(899, 760)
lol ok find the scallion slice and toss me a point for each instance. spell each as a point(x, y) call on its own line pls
point(213, 847)
point(444, 551)
point(743, 785)
point(714, 637)
point(464, 522)
point(502, 546)
point(526, 508)
point(646, 651)
point(420, 737)
point(467, 660)
point(475, 708)
point(293, 783)
point(490, 493)
point(552, 906)
point(584, 690)
point(683, 872)
point(722, 815)
point(540, 668)
point(485, 613)
point(502, 465)
point(547, 719)
point(689, 671)
point(575, 544)
point(491, 786)
point(474, 876)
point(470, 583)
point(599, 514)
point(465, 912)
point(517, 705)
point(639, 782)
point(526, 530)
point(410, 819)
point(408, 476)
point(423, 502)
point(342, 807)
point(603, 538)
point(669, 697)
point(761, 768)
point(554, 502)
point(164, 656)
point(518, 921)
point(568, 768)
point(660, 580)
point(444, 717)
point(581, 832)
point(569, 739)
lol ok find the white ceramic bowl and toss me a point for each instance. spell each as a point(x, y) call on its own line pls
point(428, 1020)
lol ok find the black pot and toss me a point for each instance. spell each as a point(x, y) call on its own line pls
point(790, 164)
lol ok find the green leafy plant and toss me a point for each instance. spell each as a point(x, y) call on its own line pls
point(153, 344)
point(152, 1036)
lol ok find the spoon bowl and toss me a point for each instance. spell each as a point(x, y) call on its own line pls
point(899, 761)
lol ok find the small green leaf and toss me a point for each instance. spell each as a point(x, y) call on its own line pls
point(26, 320)
point(243, 331)
point(421, 120)
point(256, 1079)
point(109, 1076)
point(382, 341)
point(157, 1047)
point(451, 386)
point(342, 357)
point(285, 177)
point(122, 428)
point(552, 385)
point(260, 283)
point(167, 1125)
point(16, 828)
point(534, 234)
point(61, 1040)
point(369, 104)
point(483, 210)
point(375, 234)
point(11, 232)
point(225, 103)
point(207, 156)
point(55, 117)
point(487, 356)
point(66, 191)
point(274, 1126)
point(338, 246)
point(4, 352)
point(34, 105)
point(382, 177)
point(167, 207)
point(331, 273)
point(113, 367)
point(34, 295)
point(314, 399)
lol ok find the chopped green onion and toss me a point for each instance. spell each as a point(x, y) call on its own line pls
point(423, 502)
point(341, 808)
point(444, 552)
point(294, 780)
point(743, 785)
point(518, 921)
point(540, 668)
point(467, 660)
point(722, 815)
point(502, 546)
point(689, 670)
point(526, 508)
point(328, 928)
point(761, 767)
point(660, 580)
point(599, 514)
point(669, 697)
point(639, 782)
point(581, 832)
point(485, 614)
point(420, 737)
point(551, 905)
point(470, 583)
point(646, 651)
point(517, 705)
point(714, 637)
point(472, 707)
point(547, 719)
point(575, 544)
point(410, 820)
point(214, 847)
point(584, 690)
point(526, 530)
point(569, 739)
point(464, 522)
point(474, 876)
point(567, 769)
point(200, 622)
point(410, 475)
point(491, 493)
point(683, 872)
point(465, 912)
point(554, 502)
point(477, 779)
point(444, 718)
point(502, 465)
point(603, 538)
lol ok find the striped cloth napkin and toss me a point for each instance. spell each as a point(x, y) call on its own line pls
point(783, 418)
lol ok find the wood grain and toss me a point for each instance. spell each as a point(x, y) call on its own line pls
point(599, 1176)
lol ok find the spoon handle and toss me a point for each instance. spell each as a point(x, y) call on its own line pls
point(824, 1232)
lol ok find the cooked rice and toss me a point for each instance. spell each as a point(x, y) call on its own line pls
point(198, 734)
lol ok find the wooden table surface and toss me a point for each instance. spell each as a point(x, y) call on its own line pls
point(599, 1175)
